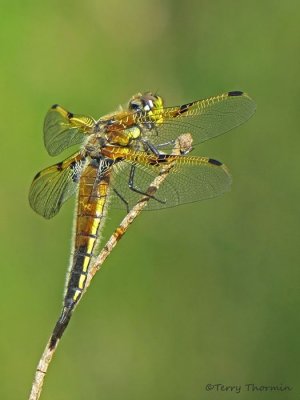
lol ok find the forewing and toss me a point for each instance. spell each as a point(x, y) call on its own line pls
point(204, 119)
point(54, 185)
point(190, 179)
point(63, 129)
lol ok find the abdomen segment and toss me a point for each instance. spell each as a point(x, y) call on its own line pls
point(92, 198)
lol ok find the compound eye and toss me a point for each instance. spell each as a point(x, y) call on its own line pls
point(135, 106)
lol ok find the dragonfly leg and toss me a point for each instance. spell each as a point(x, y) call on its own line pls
point(122, 199)
point(135, 189)
point(169, 144)
point(151, 147)
point(154, 149)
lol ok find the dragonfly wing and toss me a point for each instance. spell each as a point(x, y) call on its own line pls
point(189, 180)
point(63, 129)
point(204, 119)
point(54, 185)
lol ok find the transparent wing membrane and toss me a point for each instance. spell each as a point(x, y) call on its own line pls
point(204, 119)
point(54, 185)
point(190, 179)
point(156, 131)
point(63, 129)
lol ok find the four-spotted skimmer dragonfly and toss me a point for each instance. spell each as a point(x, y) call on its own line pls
point(121, 153)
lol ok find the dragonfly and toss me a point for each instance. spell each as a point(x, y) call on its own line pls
point(120, 154)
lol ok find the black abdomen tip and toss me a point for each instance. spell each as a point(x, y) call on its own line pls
point(214, 162)
point(235, 93)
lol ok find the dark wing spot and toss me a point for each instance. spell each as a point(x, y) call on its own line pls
point(163, 157)
point(185, 107)
point(54, 106)
point(70, 115)
point(214, 162)
point(59, 166)
point(235, 93)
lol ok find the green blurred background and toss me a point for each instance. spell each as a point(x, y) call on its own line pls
point(203, 293)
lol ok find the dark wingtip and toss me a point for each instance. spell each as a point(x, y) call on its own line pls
point(54, 106)
point(37, 176)
point(235, 93)
point(215, 162)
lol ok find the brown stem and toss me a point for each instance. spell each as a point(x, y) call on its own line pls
point(183, 144)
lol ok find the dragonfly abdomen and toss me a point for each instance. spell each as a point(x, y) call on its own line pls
point(85, 243)
point(81, 260)
point(91, 206)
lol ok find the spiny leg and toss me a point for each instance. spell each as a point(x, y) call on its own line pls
point(122, 199)
point(151, 147)
point(135, 189)
point(169, 144)
point(154, 149)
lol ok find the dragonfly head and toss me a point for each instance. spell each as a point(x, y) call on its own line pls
point(146, 102)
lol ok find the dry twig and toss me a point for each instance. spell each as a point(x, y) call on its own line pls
point(183, 143)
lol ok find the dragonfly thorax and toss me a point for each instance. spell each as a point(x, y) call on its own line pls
point(123, 137)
